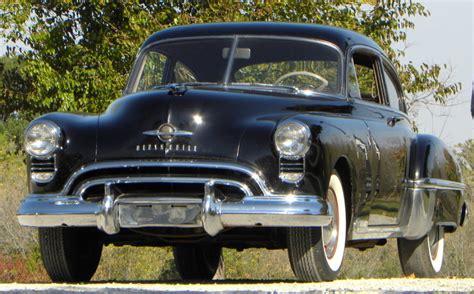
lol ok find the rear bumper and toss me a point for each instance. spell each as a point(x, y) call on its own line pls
point(116, 212)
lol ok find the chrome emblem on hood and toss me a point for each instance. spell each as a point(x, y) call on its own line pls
point(166, 132)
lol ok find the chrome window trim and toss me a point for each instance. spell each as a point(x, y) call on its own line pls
point(138, 64)
point(133, 82)
point(433, 183)
point(350, 52)
point(254, 175)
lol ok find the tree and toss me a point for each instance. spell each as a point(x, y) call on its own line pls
point(14, 87)
point(81, 51)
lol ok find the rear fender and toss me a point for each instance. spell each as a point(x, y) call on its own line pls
point(434, 189)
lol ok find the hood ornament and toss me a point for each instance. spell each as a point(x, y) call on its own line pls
point(166, 132)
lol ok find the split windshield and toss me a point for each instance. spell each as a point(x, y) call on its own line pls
point(258, 63)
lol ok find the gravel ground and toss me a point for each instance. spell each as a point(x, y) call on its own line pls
point(237, 286)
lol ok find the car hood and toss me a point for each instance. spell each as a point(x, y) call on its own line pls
point(208, 124)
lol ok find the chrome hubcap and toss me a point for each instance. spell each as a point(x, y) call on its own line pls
point(330, 232)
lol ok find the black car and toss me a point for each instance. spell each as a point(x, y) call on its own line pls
point(244, 135)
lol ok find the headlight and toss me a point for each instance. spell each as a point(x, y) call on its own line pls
point(292, 139)
point(42, 139)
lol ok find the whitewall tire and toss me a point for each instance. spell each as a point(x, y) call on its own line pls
point(316, 254)
point(423, 257)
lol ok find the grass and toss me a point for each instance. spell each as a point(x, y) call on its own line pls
point(20, 259)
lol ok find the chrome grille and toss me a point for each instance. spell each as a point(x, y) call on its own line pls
point(165, 187)
point(43, 170)
point(161, 171)
point(292, 170)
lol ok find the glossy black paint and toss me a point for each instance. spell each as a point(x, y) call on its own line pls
point(373, 144)
point(79, 133)
point(431, 158)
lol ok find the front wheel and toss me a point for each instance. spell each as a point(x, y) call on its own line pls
point(70, 255)
point(316, 254)
point(198, 262)
point(423, 257)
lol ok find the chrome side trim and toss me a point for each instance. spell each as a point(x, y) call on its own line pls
point(418, 211)
point(432, 183)
point(376, 232)
point(254, 175)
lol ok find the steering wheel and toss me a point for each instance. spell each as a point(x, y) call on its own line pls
point(305, 73)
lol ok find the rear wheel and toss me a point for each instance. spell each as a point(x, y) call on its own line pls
point(423, 257)
point(316, 254)
point(199, 262)
point(70, 254)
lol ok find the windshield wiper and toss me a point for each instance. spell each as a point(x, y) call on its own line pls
point(276, 88)
point(267, 87)
point(178, 89)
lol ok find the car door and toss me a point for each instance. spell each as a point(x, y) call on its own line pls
point(389, 132)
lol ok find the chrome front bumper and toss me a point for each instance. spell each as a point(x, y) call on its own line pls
point(213, 215)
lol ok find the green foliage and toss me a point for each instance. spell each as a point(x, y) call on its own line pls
point(11, 136)
point(136, 263)
point(33, 260)
point(257, 264)
point(81, 51)
point(269, 73)
point(466, 152)
point(14, 87)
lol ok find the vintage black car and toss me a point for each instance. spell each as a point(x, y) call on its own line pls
point(244, 135)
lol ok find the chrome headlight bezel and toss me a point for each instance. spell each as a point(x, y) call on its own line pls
point(300, 129)
point(54, 140)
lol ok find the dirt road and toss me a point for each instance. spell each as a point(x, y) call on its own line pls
point(238, 286)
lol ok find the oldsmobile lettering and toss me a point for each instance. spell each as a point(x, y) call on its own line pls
point(166, 147)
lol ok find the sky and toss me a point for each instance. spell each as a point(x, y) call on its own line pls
point(444, 37)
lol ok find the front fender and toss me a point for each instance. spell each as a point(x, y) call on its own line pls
point(329, 143)
point(78, 147)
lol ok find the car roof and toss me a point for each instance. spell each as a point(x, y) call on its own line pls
point(342, 38)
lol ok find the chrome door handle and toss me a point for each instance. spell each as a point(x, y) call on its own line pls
point(393, 120)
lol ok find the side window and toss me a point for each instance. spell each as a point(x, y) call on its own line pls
point(182, 74)
point(152, 72)
point(354, 88)
point(392, 91)
point(364, 83)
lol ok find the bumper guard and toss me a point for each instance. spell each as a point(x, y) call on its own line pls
point(116, 211)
